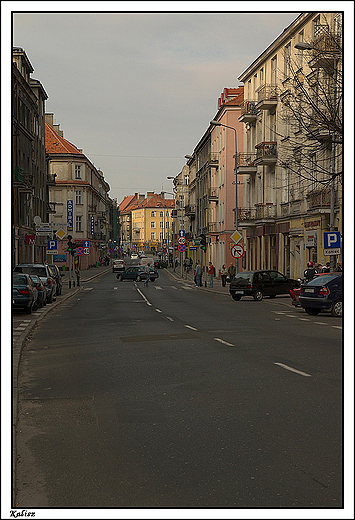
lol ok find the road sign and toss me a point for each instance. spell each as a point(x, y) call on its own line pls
point(86, 250)
point(237, 251)
point(86, 243)
point(52, 245)
point(181, 233)
point(182, 248)
point(61, 233)
point(80, 251)
point(181, 240)
point(236, 236)
point(331, 251)
point(331, 239)
point(164, 250)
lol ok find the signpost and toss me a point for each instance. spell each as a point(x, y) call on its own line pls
point(236, 236)
point(237, 251)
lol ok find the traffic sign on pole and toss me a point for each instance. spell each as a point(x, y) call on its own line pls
point(86, 250)
point(182, 240)
point(236, 236)
point(182, 248)
point(237, 251)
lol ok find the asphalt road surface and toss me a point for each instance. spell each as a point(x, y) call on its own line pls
point(171, 396)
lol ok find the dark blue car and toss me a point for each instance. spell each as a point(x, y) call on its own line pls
point(24, 292)
point(136, 272)
point(323, 293)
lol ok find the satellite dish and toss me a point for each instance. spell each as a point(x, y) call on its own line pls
point(37, 220)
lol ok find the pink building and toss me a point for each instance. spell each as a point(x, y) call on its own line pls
point(223, 186)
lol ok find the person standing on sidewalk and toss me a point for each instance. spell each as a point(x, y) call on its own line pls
point(224, 273)
point(231, 271)
point(197, 274)
point(211, 272)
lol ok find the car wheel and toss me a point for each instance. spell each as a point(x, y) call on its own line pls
point(258, 295)
point(337, 309)
point(312, 312)
point(236, 297)
point(120, 278)
point(139, 278)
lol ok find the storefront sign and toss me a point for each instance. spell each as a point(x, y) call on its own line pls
point(31, 240)
point(92, 224)
point(312, 224)
point(70, 215)
point(311, 238)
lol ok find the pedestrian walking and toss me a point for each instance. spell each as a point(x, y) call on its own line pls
point(224, 273)
point(77, 272)
point(197, 274)
point(147, 272)
point(326, 268)
point(186, 266)
point(231, 271)
point(211, 272)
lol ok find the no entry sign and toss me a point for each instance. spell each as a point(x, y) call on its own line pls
point(237, 251)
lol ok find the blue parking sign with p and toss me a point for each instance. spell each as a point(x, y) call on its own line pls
point(52, 245)
point(331, 239)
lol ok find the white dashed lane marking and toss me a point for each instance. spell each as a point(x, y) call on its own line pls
point(293, 370)
point(224, 342)
point(189, 327)
point(337, 327)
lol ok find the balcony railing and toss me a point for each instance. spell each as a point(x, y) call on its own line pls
point(190, 210)
point(245, 162)
point(212, 195)
point(248, 112)
point(246, 214)
point(51, 179)
point(213, 158)
point(267, 97)
point(319, 199)
point(21, 178)
point(326, 48)
point(258, 212)
point(266, 153)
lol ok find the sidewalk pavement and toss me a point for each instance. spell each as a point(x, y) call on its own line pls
point(217, 282)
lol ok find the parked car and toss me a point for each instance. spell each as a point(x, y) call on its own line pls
point(46, 275)
point(24, 292)
point(159, 263)
point(323, 293)
point(260, 283)
point(118, 265)
point(136, 272)
point(134, 256)
point(58, 277)
point(296, 291)
point(42, 294)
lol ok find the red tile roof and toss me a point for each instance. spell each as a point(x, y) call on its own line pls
point(125, 204)
point(57, 144)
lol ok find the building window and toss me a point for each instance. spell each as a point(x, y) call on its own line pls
point(287, 61)
point(167, 214)
point(186, 179)
point(161, 235)
point(274, 70)
point(78, 197)
point(162, 224)
point(261, 76)
point(152, 224)
point(316, 26)
point(162, 213)
point(152, 214)
point(77, 171)
point(167, 225)
point(300, 54)
point(78, 223)
point(152, 235)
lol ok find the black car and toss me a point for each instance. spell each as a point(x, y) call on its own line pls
point(58, 277)
point(258, 284)
point(136, 272)
point(42, 293)
point(323, 293)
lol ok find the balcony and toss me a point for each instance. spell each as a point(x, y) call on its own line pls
point(248, 112)
point(266, 153)
point(267, 97)
point(245, 163)
point(213, 159)
point(246, 214)
point(92, 208)
point(258, 212)
point(319, 200)
point(101, 215)
point(22, 181)
point(327, 48)
point(190, 210)
point(212, 195)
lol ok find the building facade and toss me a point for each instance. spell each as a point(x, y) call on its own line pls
point(292, 151)
point(30, 179)
point(80, 195)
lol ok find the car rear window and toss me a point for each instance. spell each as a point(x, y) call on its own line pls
point(325, 278)
point(39, 271)
point(243, 276)
point(17, 278)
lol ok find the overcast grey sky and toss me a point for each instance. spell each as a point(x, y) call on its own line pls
point(136, 91)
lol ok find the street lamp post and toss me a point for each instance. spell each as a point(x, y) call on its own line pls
point(217, 123)
point(304, 46)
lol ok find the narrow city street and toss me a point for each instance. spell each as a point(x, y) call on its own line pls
point(174, 396)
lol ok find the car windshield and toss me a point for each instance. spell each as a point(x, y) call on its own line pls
point(243, 276)
point(325, 278)
point(31, 269)
point(18, 279)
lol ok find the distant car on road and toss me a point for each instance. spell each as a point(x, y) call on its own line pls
point(46, 275)
point(134, 256)
point(24, 292)
point(136, 272)
point(118, 266)
point(261, 283)
point(323, 293)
